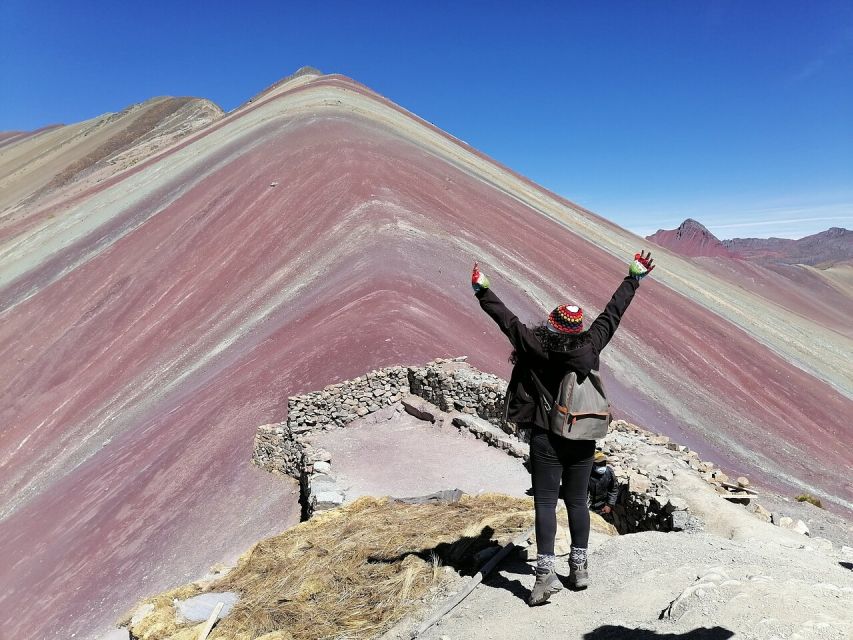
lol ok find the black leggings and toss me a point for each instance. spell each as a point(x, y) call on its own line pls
point(555, 460)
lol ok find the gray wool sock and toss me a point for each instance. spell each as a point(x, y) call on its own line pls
point(545, 562)
point(577, 558)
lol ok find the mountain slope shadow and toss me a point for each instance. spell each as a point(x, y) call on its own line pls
point(615, 632)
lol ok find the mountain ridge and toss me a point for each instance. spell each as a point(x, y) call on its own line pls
point(824, 248)
point(169, 307)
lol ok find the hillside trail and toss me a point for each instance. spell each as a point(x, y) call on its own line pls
point(738, 577)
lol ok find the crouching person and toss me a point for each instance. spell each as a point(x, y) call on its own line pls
point(603, 488)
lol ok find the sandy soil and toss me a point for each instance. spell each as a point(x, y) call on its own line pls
point(405, 457)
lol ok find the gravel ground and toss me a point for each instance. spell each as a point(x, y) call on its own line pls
point(821, 522)
point(719, 589)
point(737, 577)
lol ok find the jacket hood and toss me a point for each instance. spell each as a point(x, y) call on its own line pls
point(582, 360)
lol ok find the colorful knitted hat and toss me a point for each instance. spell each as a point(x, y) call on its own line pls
point(566, 319)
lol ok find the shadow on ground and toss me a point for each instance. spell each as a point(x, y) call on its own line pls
point(614, 632)
point(458, 554)
point(498, 579)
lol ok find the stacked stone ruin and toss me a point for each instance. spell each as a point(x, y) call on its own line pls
point(450, 391)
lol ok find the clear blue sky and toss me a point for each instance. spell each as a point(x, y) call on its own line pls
point(736, 113)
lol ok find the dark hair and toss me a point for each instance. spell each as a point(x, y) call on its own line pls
point(559, 342)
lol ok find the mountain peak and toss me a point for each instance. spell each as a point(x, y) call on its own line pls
point(691, 238)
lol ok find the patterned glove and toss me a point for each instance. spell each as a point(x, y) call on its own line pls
point(641, 266)
point(479, 280)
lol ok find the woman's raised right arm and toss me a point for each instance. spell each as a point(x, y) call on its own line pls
point(520, 336)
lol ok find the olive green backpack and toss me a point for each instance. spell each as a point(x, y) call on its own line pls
point(581, 411)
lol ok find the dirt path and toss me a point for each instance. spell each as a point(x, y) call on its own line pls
point(738, 577)
point(760, 590)
point(403, 456)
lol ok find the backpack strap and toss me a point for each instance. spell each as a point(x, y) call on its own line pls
point(546, 397)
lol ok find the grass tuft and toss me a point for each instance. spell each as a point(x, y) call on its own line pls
point(807, 497)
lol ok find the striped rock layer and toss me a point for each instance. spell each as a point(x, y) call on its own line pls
point(151, 319)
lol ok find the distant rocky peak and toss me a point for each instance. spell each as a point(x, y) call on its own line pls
point(691, 238)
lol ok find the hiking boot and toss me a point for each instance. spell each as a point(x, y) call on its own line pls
point(547, 584)
point(578, 576)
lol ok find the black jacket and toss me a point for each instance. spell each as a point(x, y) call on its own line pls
point(603, 488)
point(522, 399)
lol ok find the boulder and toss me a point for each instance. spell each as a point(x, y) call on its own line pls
point(675, 503)
point(800, 527)
point(514, 448)
point(719, 476)
point(199, 608)
point(116, 634)
point(481, 428)
point(328, 500)
point(140, 612)
point(322, 466)
point(420, 408)
point(822, 544)
point(761, 512)
point(638, 483)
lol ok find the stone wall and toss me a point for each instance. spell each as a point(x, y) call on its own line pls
point(456, 386)
point(277, 450)
point(474, 401)
point(645, 502)
point(338, 404)
point(449, 384)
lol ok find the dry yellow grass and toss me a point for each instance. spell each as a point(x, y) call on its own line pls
point(350, 572)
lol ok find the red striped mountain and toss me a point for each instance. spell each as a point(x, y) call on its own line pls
point(691, 238)
point(155, 308)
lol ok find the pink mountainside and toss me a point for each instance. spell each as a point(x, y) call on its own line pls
point(140, 349)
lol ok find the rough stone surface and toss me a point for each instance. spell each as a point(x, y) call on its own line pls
point(761, 512)
point(322, 467)
point(421, 409)
point(199, 608)
point(800, 527)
